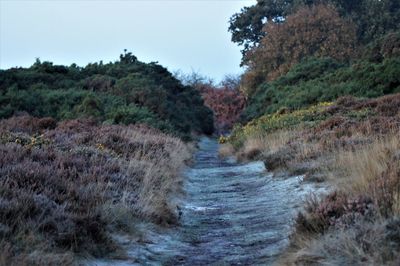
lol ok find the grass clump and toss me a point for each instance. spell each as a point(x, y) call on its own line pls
point(359, 223)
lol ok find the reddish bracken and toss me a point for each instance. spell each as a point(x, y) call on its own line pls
point(227, 105)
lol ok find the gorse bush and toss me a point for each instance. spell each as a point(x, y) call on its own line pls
point(126, 91)
point(320, 80)
point(281, 120)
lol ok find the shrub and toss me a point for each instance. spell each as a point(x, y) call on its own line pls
point(320, 80)
point(148, 92)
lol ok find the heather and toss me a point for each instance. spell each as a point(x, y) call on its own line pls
point(359, 222)
point(92, 157)
point(67, 186)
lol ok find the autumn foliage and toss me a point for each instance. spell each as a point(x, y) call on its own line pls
point(225, 99)
point(316, 31)
point(227, 105)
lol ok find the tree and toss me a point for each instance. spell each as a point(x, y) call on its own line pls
point(374, 18)
point(225, 99)
point(227, 105)
point(246, 27)
point(316, 31)
point(231, 82)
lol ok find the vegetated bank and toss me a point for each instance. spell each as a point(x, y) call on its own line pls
point(332, 119)
point(87, 152)
point(353, 144)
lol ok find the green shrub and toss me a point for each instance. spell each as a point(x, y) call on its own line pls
point(320, 80)
point(127, 91)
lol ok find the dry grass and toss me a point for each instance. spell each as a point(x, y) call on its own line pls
point(274, 141)
point(365, 165)
point(350, 124)
point(226, 150)
point(363, 244)
point(263, 144)
point(374, 171)
point(359, 224)
point(65, 188)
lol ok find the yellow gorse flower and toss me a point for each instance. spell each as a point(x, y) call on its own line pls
point(223, 139)
point(100, 146)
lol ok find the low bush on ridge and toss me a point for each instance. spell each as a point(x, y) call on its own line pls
point(126, 91)
point(59, 183)
point(281, 120)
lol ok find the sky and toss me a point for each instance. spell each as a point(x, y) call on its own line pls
point(185, 35)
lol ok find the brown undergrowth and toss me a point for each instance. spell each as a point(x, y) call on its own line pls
point(65, 187)
point(354, 145)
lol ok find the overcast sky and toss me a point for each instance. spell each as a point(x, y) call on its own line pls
point(181, 35)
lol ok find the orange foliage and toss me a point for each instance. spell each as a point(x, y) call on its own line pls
point(226, 103)
point(311, 31)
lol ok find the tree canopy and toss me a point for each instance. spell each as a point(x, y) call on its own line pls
point(316, 31)
point(373, 18)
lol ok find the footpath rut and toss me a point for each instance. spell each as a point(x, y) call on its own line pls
point(233, 214)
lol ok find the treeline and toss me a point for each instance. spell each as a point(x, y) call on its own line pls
point(123, 92)
point(298, 53)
